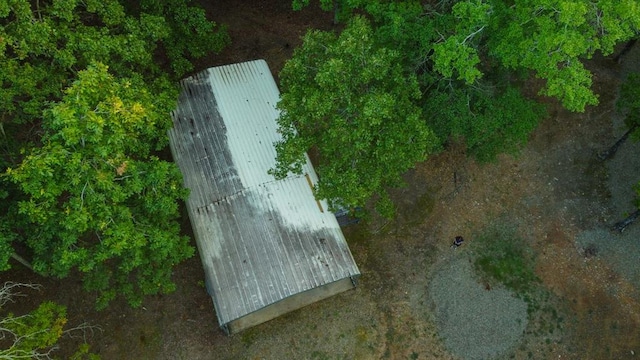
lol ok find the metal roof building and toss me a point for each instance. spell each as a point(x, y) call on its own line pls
point(268, 247)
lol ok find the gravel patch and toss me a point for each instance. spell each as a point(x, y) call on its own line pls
point(474, 323)
point(620, 251)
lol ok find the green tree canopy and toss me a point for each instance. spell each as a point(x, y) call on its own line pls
point(472, 37)
point(489, 122)
point(85, 100)
point(371, 101)
point(548, 37)
point(97, 200)
point(469, 58)
point(355, 102)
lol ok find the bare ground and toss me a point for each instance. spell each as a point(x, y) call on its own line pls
point(557, 194)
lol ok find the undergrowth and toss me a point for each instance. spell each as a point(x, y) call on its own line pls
point(501, 256)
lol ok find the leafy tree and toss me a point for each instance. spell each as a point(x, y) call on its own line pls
point(468, 57)
point(353, 101)
point(547, 37)
point(97, 199)
point(183, 20)
point(84, 109)
point(42, 49)
point(36, 334)
point(489, 123)
point(324, 4)
point(331, 117)
point(33, 335)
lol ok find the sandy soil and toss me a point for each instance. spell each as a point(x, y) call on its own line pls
point(556, 192)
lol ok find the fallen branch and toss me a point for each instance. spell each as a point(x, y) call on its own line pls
point(608, 154)
point(620, 226)
point(8, 291)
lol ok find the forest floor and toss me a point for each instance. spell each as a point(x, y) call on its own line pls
point(417, 298)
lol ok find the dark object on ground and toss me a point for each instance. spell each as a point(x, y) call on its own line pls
point(608, 154)
point(590, 251)
point(457, 242)
point(621, 225)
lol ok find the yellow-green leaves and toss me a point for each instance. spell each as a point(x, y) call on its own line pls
point(453, 58)
point(456, 56)
point(95, 195)
point(549, 37)
point(34, 333)
point(83, 106)
point(572, 13)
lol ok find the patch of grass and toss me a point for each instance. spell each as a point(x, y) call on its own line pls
point(249, 336)
point(319, 355)
point(504, 257)
point(362, 335)
point(501, 256)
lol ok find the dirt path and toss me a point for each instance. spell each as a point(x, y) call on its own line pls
point(556, 193)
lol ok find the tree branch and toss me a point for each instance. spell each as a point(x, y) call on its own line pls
point(7, 291)
point(472, 35)
point(22, 261)
point(620, 226)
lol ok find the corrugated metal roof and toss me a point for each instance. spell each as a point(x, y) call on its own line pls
point(260, 240)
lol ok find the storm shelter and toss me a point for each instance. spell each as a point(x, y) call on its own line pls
point(267, 246)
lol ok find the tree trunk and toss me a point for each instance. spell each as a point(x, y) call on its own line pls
point(22, 261)
point(608, 154)
point(621, 225)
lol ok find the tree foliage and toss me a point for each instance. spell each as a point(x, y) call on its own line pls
point(488, 122)
point(469, 57)
point(36, 334)
point(97, 200)
point(43, 48)
point(547, 37)
point(33, 335)
point(84, 109)
point(353, 100)
point(184, 22)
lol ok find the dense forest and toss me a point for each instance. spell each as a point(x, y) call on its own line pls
point(87, 88)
